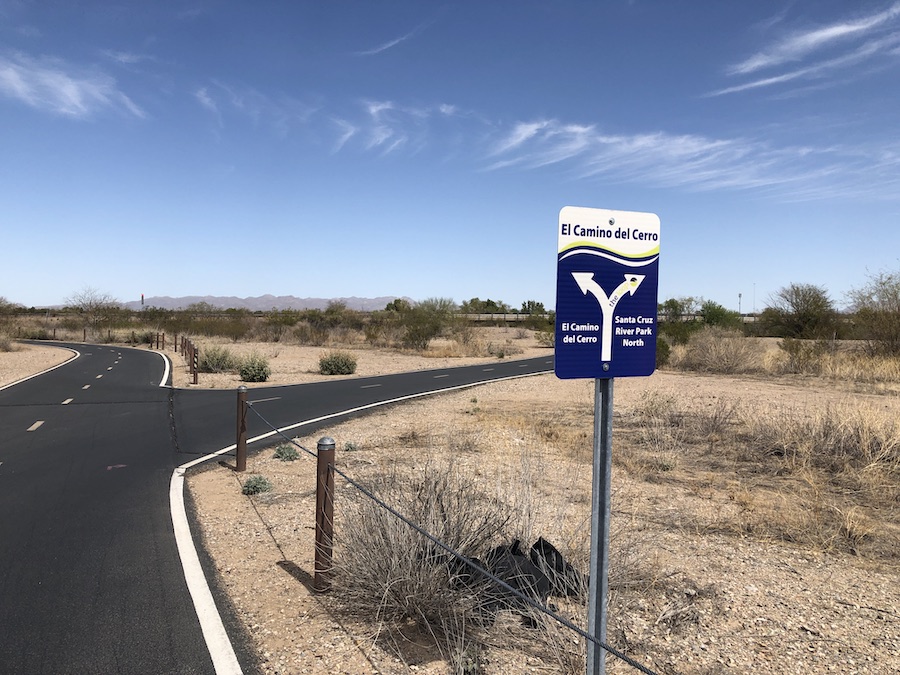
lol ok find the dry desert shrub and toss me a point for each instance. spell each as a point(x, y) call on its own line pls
point(395, 574)
point(716, 350)
point(835, 438)
point(6, 343)
point(861, 367)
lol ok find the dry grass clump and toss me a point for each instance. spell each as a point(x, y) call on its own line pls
point(861, 367)
point(397, 576)
point(828, 477)
point(717, 350)
point(6, 343)
point(855, 446)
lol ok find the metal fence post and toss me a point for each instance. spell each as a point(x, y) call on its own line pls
point(195, 362)
point(324, 513)
point(241, 443)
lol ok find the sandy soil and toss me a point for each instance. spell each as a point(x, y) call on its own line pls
point(27, 359)
point(718, 600)
point(716, 596)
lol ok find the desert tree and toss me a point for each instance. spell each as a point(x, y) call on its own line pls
point(714, 314)
point(398, 305)
point(533, 307)
point(8, 308)
point(801, 311)
point(876, 307)
point(426, 320)
point(678, 318)
point(95, 307)
point(479, 306)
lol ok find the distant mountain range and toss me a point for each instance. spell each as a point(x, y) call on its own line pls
point(263, 303)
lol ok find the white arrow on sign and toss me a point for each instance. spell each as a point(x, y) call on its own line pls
point(586, 283)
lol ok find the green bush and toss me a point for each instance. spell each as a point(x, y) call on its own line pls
point(663, 352)
point(256, 484)
point(337, 363)
point(286, 453)
point(254, 368)
point(216, 360)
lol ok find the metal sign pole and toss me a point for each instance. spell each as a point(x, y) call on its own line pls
point(600, 514)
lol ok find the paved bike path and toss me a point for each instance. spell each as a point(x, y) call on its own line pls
point(90, 576)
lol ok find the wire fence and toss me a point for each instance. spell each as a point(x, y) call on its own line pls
point(470, 564)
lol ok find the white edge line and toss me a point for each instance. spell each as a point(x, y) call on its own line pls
point(223, 657)
point(165, 377)
point(220, 649)
point(75, 355)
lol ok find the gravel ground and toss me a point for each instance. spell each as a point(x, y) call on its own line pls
point(714, 597)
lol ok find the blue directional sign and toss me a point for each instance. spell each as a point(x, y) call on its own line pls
point(606, 293)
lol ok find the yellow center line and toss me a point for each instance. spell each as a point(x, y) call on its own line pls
point(36, 425)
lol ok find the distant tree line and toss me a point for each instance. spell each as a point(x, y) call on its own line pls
point(797, 311)
point(801, 311)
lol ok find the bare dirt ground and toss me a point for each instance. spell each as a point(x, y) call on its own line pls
point(710, 572)
point(27, 360)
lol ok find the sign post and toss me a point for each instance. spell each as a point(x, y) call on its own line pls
point(606, 327)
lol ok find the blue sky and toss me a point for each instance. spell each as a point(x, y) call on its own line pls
point(420, 149)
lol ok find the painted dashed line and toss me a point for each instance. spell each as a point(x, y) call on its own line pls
point(436, 377)
point(110, 368)
point(369, 386)
point(486, 370)
point(98, 377)
point(68, 401)
point(87, 386)
point(35, 426)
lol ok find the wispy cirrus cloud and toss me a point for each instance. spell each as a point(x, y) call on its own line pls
point(385, 46)
point(699, 163)
point(770, 162)
point(60, 88)
point(126, 58)
point(280, 113)
point(388, 126)
point(819, 51)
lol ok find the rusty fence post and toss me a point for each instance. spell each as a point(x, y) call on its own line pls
point(175, 343)
point(324, 513)
point(164, 342)
point(241, 442)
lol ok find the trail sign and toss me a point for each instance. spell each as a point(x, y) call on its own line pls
point(606, 293)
